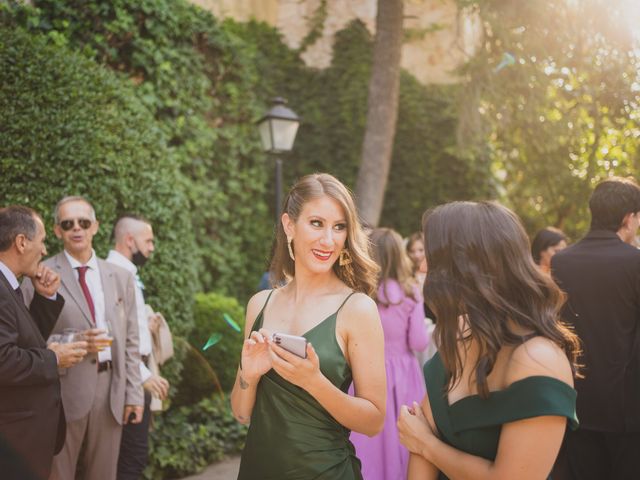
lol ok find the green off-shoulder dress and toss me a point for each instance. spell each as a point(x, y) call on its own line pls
point(291, 435)
point(473, 424)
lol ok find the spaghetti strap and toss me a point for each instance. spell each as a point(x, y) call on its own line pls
point(267, 301)
point(345, 301)
point(260, 314)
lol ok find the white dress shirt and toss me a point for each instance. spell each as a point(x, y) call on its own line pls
point(13, 280)
point(9, 275)
point(94, 282)
point(143, 322)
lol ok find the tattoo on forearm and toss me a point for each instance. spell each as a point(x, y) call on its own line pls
point(243, 384)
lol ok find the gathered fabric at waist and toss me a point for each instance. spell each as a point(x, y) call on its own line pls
point(309, 442)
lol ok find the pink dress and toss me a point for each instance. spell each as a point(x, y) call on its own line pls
point(382, 456)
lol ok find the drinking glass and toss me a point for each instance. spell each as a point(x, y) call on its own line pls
point(106, 338)
point(55, 338)
point(70, 335)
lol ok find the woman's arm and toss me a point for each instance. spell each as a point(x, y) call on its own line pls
point(254, 363)
point(421, 469)
point(364, 412)
point(415, 423)
point(418, 337)
point(527, 448)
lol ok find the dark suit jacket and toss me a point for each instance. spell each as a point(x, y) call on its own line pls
point(601, 276)
point(31, 415)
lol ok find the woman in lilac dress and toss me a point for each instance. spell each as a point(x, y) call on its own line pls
point(401, 312)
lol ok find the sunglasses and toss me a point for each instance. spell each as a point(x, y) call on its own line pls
point(83, 223)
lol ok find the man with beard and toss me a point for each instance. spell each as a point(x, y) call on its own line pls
point(134, 244)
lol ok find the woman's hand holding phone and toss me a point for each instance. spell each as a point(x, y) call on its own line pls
point(299, 371)
point(256, 359)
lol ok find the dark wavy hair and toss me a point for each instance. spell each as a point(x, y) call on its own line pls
point(545, 238)
point(480, 267)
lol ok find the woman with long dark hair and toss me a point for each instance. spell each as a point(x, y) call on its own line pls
point(400, 306)
point(500, 389)
point(299, 411)
point(546, 243)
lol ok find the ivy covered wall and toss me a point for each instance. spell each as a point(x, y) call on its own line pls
point(206, 82)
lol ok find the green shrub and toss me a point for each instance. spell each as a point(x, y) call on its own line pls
point(199, 380)
point(187, 439)
point(199, 81)
point(71, 127)
point(209, 318)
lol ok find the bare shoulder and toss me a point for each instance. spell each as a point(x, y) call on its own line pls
point(539, 356)
point(361, 308)
point(253, 308)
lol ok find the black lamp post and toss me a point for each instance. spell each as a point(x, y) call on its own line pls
point(278, 130)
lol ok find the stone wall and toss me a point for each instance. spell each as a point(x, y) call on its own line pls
point(441, 38)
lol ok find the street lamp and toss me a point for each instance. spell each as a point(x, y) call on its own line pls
point(278, 130)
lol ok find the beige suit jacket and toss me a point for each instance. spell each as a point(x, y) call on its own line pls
point(79, 382)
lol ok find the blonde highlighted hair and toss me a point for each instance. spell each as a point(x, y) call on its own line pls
point(395, 264)
point(360, 274)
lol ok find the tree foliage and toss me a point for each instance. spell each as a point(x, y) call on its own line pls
point(73, 128)
point(427, 168)
point(565, 115)
point(199, 81)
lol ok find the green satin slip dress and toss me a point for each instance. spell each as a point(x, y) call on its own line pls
point(291, 436)
point(472, 424)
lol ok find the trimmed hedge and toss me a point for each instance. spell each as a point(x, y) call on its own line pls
point(71, 127)
point(199, 81)
point(224, 356)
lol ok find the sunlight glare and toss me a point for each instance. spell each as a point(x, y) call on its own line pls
point(631, 13)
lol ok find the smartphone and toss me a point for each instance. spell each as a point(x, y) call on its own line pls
point(291, 343)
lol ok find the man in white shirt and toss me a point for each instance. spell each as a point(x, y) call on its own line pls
point(104, 391)
point(133, 238)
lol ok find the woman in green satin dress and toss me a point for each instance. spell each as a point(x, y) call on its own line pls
point(500, 390)
point(299, 411)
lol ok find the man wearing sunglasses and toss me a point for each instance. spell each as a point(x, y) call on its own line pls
point(103, 392)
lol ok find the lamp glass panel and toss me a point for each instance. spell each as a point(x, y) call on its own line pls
point(265, 135)
point(284, 134)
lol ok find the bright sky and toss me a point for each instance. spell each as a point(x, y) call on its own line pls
point(631, 13)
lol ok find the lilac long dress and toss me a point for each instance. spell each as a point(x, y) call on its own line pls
point(382, 456)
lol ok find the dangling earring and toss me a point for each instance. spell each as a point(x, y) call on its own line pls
point(289, 240)
point(345, 258)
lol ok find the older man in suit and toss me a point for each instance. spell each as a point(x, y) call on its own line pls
point(32, 424)
point(601, 276)
point(104, 391)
